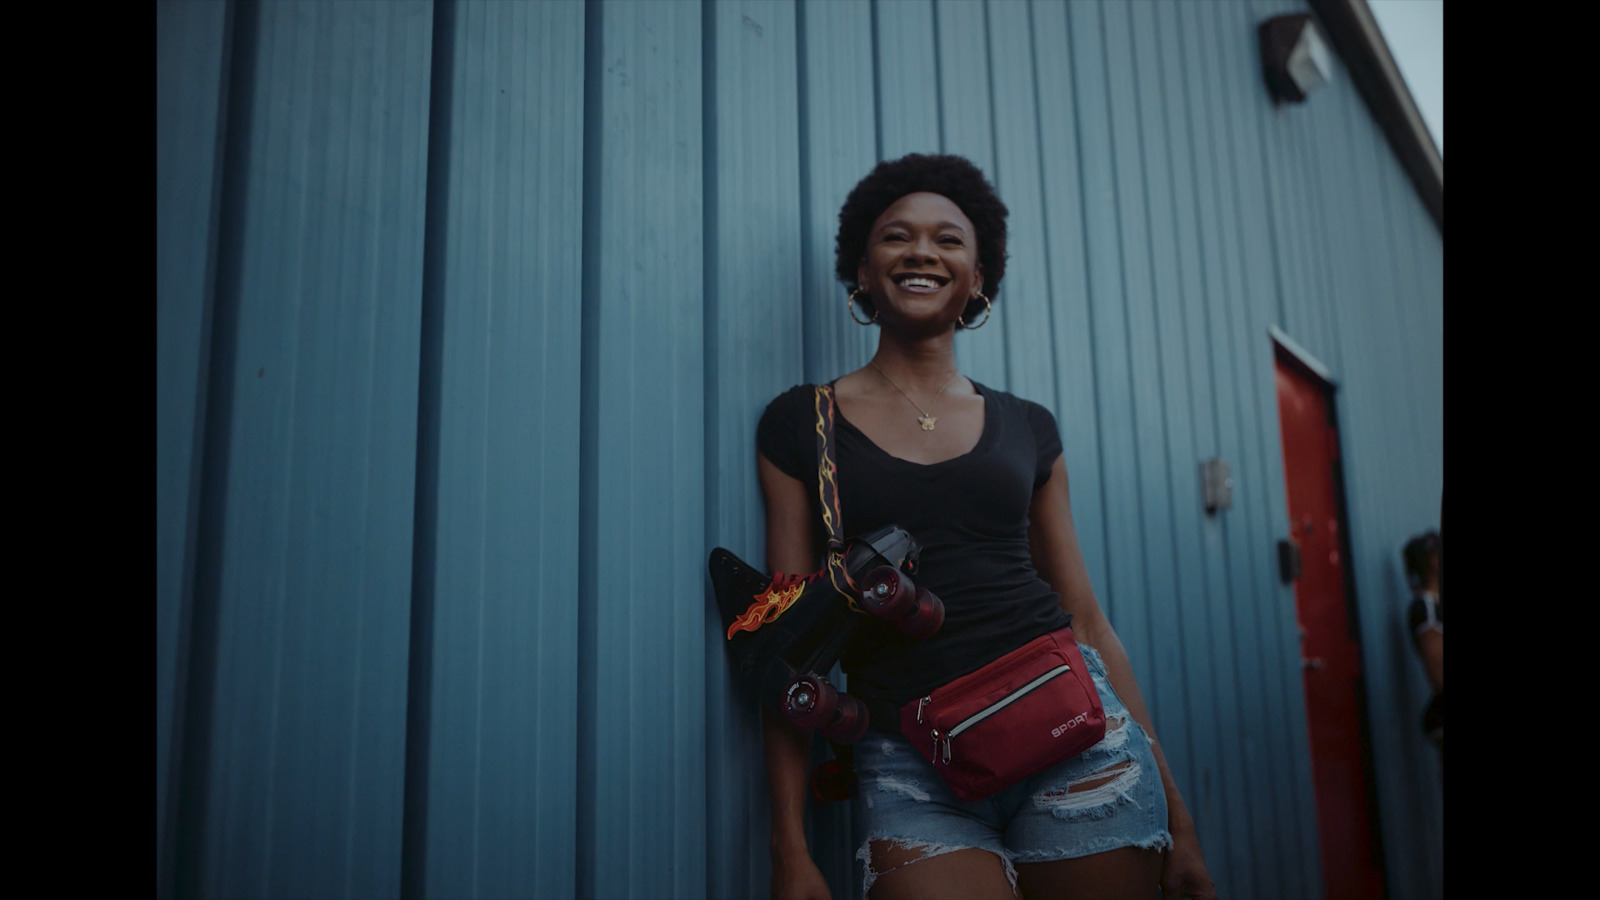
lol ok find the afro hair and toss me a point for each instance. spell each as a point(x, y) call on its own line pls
point(1420, 556)
point(953, 177)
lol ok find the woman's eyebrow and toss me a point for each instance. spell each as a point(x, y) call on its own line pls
point(903, 224)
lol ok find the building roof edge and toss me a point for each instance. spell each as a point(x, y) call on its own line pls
point(1353, 31)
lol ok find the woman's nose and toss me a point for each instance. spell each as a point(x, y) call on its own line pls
point(921, 248)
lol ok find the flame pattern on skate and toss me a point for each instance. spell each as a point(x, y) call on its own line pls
point(769, 604)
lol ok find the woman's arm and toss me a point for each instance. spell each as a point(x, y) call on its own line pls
point(791, 549)
point(1430, 644)
point(1059, 560)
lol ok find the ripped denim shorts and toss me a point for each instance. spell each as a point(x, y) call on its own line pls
point(1107, 797)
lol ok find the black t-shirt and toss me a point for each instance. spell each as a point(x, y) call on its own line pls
point(970, 514)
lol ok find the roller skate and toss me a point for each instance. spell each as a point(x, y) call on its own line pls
point(784, 631)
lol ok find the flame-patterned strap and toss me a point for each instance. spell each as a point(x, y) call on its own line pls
point(827, 468)
point(828, 493)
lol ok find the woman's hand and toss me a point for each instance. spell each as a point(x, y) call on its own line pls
point(796, 877)
point(1183, 870)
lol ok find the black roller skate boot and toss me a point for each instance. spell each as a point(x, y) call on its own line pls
point(785, 631)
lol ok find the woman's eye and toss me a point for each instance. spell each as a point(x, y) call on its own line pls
point(951, 239)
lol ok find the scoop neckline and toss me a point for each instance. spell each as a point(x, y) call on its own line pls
point(985, 437)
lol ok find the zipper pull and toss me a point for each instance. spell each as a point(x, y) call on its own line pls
point(920, 704)
point(947, 751)
point(935, 759)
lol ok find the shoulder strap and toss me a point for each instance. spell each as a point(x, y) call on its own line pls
point(828, 494)
point(827, 468)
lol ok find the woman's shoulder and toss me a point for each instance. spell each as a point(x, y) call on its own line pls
point(1037, 414)
point(792, 401)
point(786, 433)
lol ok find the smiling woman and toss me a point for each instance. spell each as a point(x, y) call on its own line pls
point(977, 478)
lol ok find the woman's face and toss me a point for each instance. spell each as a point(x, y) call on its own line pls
point(921, 265)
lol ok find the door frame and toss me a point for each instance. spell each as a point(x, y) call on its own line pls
point(1297, 357)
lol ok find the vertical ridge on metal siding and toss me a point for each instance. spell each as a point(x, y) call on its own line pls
point(425, 515)
point(1163, 428)
point(838, 149)
point(1214, 779)
point(757, 275)
point(642, 771)
point(1024, 317)
point(1124, 287)
point(1261, 502)
point(502, 756)
point(1108, 332)
point(1217, 430)
point(1254, 857)
point(1319, 179)
point(190, 86)
point(1066, 253)
point(754, 344)
point(306, 760)
point(907, 78)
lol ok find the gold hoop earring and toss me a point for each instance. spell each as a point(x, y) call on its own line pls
point(987, 309)
point(850, 307)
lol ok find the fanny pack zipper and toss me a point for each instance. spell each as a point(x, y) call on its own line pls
point(987, 711)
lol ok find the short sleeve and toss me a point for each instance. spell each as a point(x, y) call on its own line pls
point(785, 434)
point(1424, 616)
point(1047, 442)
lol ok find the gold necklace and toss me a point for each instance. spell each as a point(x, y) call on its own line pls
point(925, 417)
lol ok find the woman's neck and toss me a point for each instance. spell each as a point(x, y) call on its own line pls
point(923, 364)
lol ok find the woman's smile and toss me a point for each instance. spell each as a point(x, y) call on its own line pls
point(919, 282)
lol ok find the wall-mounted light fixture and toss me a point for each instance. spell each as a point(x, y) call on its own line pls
point(1294, 57)
point(1216, 484)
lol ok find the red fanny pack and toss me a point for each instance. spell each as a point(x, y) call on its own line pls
point(1015, 717)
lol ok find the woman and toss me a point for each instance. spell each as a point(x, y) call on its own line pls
point(1426, 619)
point(976, 475)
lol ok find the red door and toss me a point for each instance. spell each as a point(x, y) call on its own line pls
point(1335, 711)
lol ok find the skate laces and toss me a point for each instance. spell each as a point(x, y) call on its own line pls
point(781, 582)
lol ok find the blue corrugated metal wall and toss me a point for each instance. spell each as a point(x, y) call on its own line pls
point(466, 311)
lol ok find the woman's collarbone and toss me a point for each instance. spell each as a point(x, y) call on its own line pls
point(902, 430)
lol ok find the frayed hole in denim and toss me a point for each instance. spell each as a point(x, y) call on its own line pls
point(1161, 840)
point(1116, 734)
point(907, 788)
point(922, 851)
point(1093, 796)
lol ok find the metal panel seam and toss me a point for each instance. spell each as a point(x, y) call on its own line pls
point(425, 502)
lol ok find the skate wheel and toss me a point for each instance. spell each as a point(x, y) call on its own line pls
point(832, 782)
point(810, 701)
point(850, 721)
point(925, 619)
point(888, 594)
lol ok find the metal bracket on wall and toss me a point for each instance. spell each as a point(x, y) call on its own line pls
point(1288, 560)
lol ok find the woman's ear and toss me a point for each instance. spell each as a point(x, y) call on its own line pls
point(861, 274)
point(977, 280)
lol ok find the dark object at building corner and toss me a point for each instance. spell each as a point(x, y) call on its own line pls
point(1288, 560)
